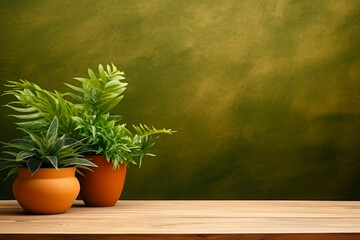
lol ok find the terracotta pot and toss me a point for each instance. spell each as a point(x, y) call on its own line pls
point(48, 191)
point(103, 186)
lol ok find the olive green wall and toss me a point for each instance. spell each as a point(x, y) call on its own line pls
point(265, 95)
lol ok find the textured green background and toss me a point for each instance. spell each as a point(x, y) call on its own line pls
point(265, 95)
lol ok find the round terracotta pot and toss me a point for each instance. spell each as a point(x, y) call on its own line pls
point(48, 191)
point(103, 186)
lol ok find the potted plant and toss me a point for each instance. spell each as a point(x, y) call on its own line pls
point(46, 165)
point(116, 147)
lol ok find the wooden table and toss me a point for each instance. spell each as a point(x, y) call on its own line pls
point(188, 220)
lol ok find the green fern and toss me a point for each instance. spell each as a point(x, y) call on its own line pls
point(142, 130)
point(144, 140)
point(102, 93)
point(115, 141)
point(37, 107)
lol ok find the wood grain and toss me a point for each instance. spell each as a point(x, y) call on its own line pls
point(189, 220)
point(306, 236)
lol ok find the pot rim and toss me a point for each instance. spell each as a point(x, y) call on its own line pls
point(46, 173)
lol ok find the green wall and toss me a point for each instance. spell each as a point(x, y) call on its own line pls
point(264, 94)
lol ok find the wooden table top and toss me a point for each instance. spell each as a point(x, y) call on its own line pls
point(188, 217)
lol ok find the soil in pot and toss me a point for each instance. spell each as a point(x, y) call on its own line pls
point(48, 191)
point(103, 186)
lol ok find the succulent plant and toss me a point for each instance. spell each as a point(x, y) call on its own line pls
point(45, 151)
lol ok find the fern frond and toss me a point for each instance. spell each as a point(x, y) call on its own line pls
point(36, 107)
point(142, 130)
point(100, 93)
point(143, 140)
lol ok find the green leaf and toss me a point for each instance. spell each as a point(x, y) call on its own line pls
point(94, 79)
point(22, 155)
point(74, 87)
point(37, 124)
point(109, 96)
point(114, 67)
point(11, 172)
point(14, 154)
point(7, 165)
point(70, 141)
point(141, 160)
point(83, 80)
point(52, 131)
point(57, 145)
point(83, 167)
point(53, 160)
point(106, 107)
point(23, 109)
point(87, 83)
point(27, 116)
point(76, 97)
point(33, 164)
point(77, 161)
point(22, 142)
point(102, 74)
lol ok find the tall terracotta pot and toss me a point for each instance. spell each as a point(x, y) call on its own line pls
point(103, 186)
point(48, 191)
